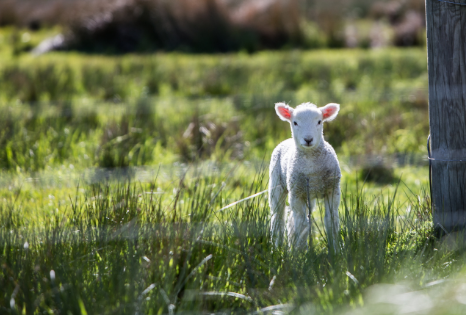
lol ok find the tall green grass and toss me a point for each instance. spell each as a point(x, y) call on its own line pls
point(140, 248)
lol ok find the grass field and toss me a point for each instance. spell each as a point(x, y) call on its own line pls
point(115, 170)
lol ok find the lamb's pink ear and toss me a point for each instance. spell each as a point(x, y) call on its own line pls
point(283, 111)
point(330, 111)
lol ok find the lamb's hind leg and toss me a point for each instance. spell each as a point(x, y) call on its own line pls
point(277, 200)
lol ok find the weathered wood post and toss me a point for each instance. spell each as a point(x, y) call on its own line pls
point(446, 49)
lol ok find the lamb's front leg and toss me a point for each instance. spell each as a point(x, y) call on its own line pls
point(277, 200)
point(298, 222)
point(332, 220)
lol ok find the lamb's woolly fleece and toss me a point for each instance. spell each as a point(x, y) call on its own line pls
point(313, 172)
point(295, 167)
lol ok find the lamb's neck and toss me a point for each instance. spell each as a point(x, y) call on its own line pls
point(313, 152)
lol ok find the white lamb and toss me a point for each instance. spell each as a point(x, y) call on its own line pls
point(306, 168)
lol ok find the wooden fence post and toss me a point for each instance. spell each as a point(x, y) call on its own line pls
point(446, 49)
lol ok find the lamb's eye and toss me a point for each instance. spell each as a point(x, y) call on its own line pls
point(295, 123)
point(319, 122)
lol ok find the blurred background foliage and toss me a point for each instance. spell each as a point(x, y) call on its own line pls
point(131, 110)
point(218, 25)
point(144, 82)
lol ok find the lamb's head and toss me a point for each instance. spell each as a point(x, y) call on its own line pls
point(306, 122)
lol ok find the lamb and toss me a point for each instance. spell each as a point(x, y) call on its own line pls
point(306, 168)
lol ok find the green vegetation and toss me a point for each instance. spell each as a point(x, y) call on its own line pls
point(144, 248)
point(114, 169)
point(123, 111)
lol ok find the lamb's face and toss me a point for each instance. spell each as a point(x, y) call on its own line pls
point(307, 122)
point(306, 126)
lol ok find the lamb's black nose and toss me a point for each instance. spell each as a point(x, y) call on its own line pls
point(308, 141)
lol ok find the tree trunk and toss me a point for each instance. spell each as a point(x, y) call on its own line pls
point(446, 48)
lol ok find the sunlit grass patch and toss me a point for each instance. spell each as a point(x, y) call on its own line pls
point(161, 244)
